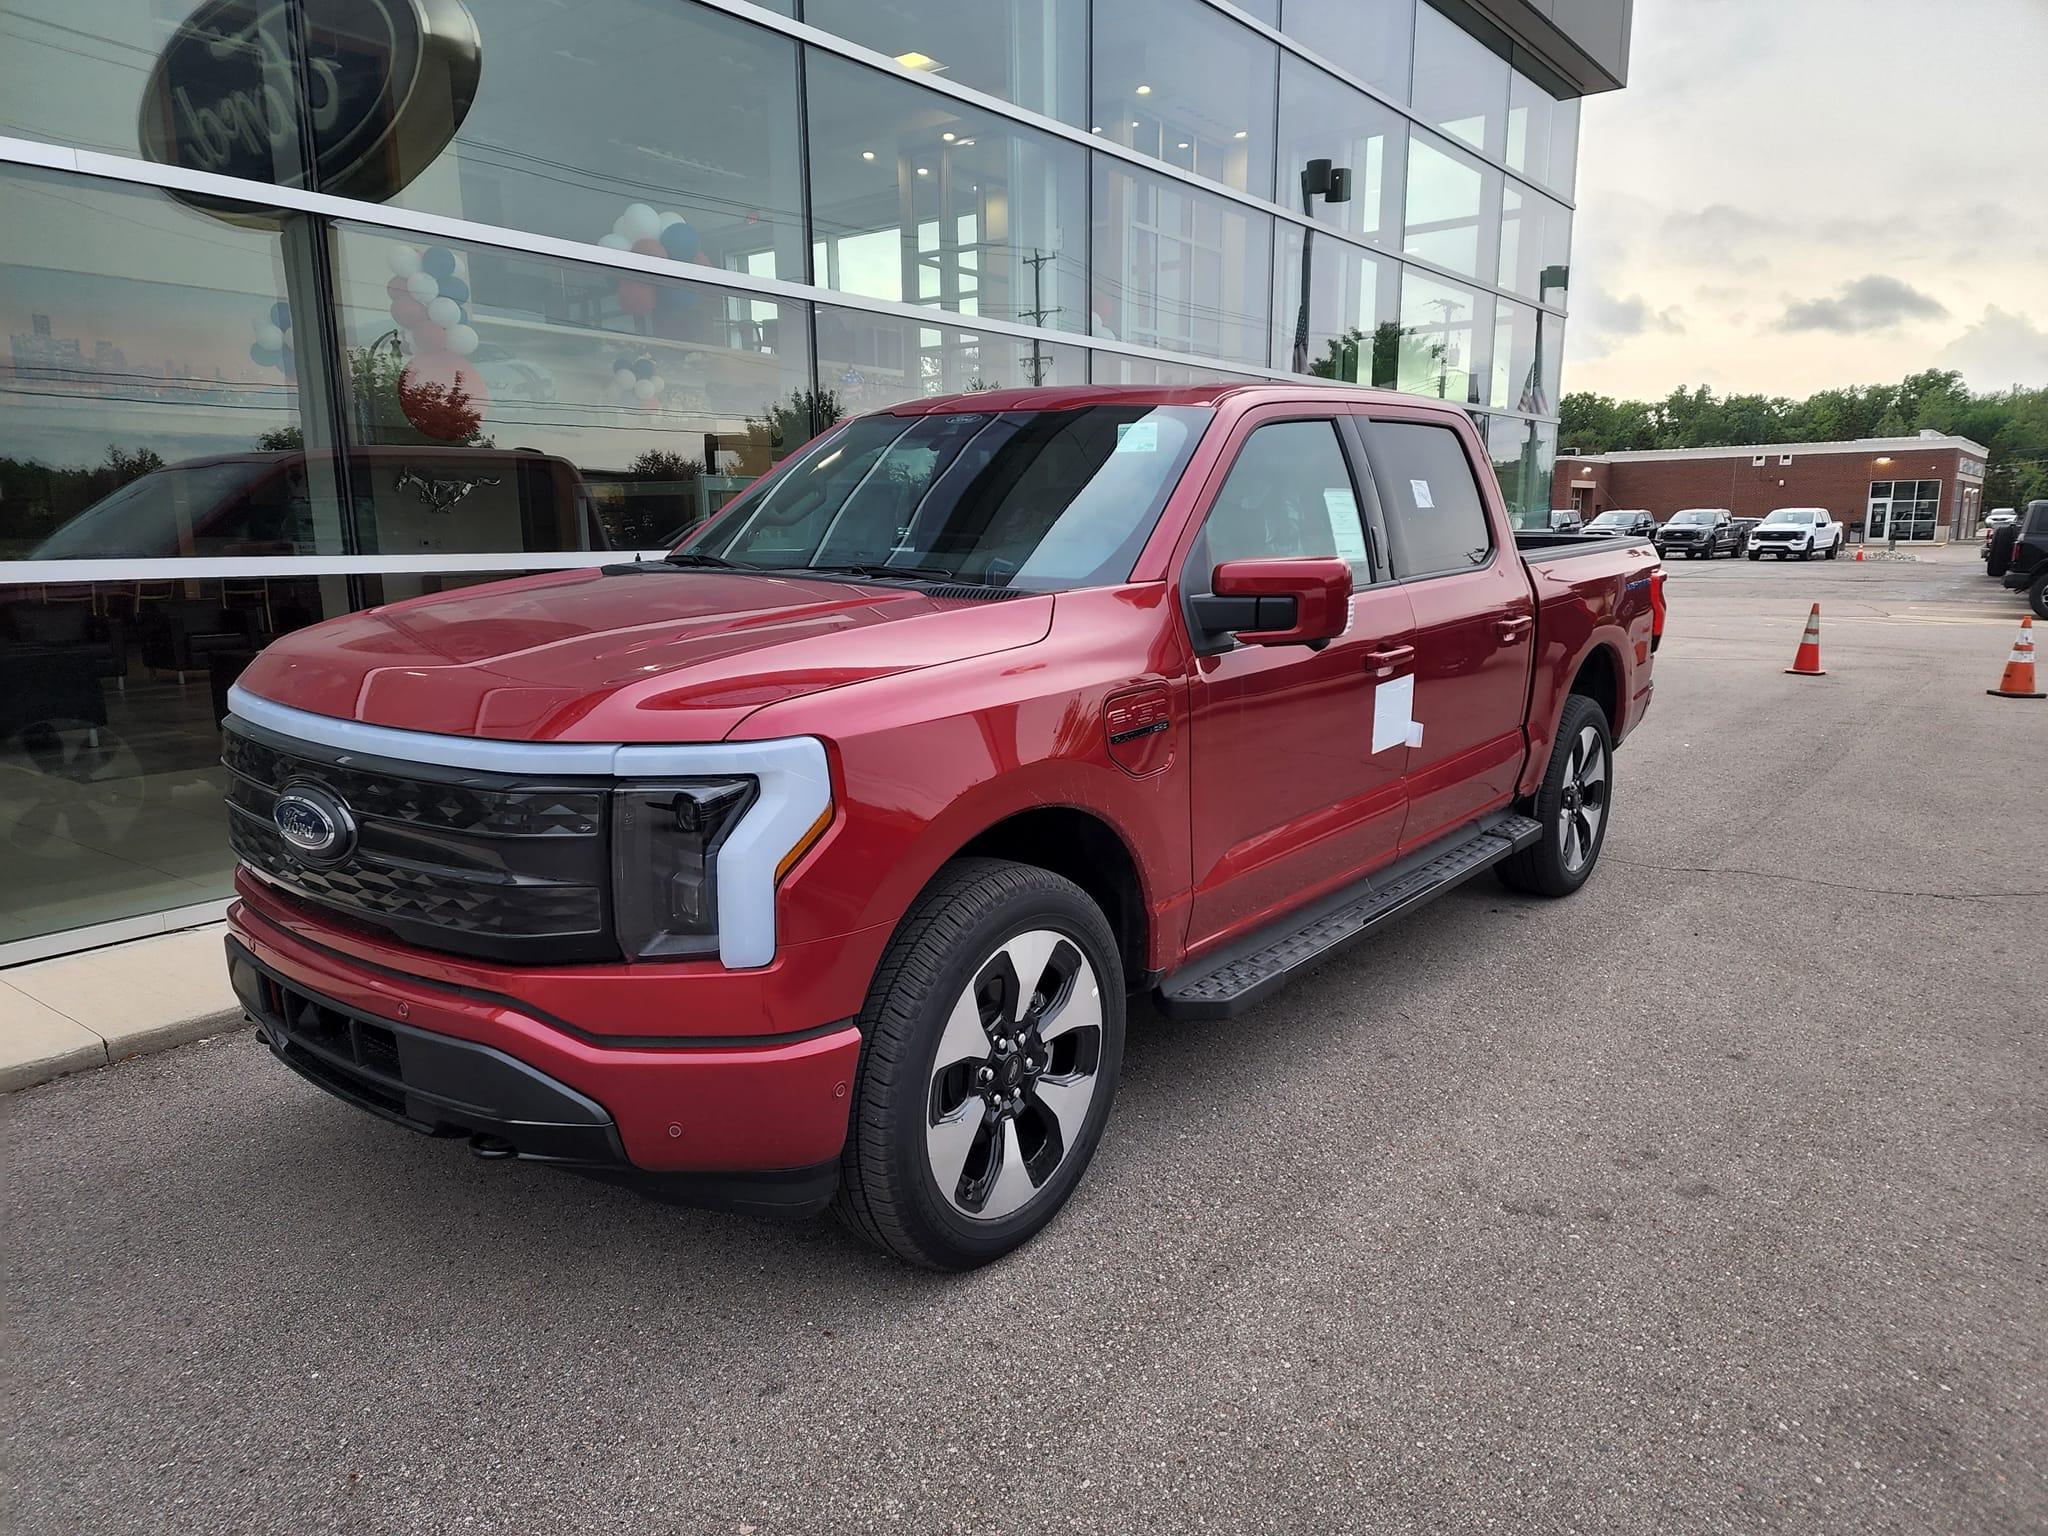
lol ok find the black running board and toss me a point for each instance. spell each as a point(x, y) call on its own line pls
point(1225, 984)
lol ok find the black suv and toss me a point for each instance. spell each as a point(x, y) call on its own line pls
point(1742, 526)
point(1630, 524)
point(2027, 568)
point(1698, 533)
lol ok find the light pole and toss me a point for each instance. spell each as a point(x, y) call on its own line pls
point(1333, 185)
point(1559, 278)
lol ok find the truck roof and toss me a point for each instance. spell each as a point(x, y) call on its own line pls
point(1062, 397)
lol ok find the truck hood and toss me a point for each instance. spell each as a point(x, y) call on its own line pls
point(662, 655)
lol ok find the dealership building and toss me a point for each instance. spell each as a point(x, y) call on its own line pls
point(1908, 490)
point(310, 305)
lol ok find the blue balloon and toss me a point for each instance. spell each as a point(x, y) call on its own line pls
point(681, 241)
point(439, 263)
point(625, 361)
point(643, 367)
point(262, 356)
point(454, 288)
point(281, 315)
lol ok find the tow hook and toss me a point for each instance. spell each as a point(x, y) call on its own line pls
point(491, 1148)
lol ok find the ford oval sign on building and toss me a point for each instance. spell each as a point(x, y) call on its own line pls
point(348, 97)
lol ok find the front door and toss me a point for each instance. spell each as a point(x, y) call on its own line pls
point(1288, 795)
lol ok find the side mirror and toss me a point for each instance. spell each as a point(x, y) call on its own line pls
point(1296, 601)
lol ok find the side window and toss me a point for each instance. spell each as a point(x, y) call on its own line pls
point(1436, 521)
point(1289, 493)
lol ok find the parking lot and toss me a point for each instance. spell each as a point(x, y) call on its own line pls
point(1708, 1199)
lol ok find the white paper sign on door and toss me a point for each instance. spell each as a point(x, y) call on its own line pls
point(1393, 715)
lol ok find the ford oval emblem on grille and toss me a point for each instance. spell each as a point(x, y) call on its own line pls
point(315, 824)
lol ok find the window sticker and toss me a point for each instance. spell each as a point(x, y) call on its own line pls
point(1345, 527)
point(1137, 437)
point(1419, 489)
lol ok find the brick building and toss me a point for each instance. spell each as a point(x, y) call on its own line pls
point(1931, 485)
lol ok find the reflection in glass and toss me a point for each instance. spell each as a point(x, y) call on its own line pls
point(1353, 321)
point(502, 401)
point(1452, 200)
point(1524, 453)
point(1370, 38)
point(1461, 85)
point(1518, 382)
point(1564, 148)
point(1179, 269)
point(1117, 368)
point(1543, 134)
point(1182, 82)
point(1031, 52)
point(867, 362)
point(1444, 333)
point(1323, 118)
point(920, 199)
point(1535, 244)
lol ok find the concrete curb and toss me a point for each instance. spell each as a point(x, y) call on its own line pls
point(106, 1005)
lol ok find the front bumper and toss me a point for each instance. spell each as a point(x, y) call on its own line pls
point(757, 1125)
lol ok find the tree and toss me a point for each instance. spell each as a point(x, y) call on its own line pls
point(787, 424)
point(282, 439)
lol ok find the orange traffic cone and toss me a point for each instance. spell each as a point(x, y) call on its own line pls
point(2018, 682)
point(1807, 662)
point(1859, 554)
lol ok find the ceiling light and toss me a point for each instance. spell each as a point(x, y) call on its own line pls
point(1144, 90)
point(1183, 144)
point(916, 60)
point(947, 137)
point(1135, 123)
point(1239, 134)
point(867, 154)
point(966, 141)
point(1096, 129)
point(924, 170)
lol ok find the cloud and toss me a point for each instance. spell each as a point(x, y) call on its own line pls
point(1714, 236)
point(2002, 348)
point(1601, 319)
point(1872, 303)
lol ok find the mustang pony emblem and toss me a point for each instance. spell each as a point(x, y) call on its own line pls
point(437, 493)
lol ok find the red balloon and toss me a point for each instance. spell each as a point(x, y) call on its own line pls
point(442, 396)
point(397, 289)
point(408, 311)
point(650, 248)
point(429, 337)
point(635, 297)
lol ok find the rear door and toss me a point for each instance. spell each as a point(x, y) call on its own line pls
point(1475, 622)
point(1289, 795)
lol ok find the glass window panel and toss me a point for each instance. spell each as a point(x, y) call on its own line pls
point(151, 402)
point(1518, 381)
point(609, 120)
point(1461, 85)
point(1289, 493)
point(867, 362)
point(1563, 173)
point(1532, 112)
point(1267, 11)
point(1353, 321)
point(1178, 269)
point(1436, 521)
point(1445, 334)
point(1032, 52)
point(1321, 118)
point(921, 199)
point(1370, 38)
point(554, 405)
point(1118, 368)
point(1451, 200)
point(1535, 244)
point(1182, 82)
point(1552, 364)
point(1524, 454)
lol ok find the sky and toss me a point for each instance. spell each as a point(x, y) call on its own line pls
point(1792, 195)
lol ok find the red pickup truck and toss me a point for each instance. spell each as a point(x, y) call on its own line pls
point(815, 863)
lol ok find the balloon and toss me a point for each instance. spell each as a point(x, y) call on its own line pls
point(408, 311)
point(397, 290)
point(624, 364)
point(423, 286)
point(444, 311)
point(270, 338)
point(636, 298)
point(281, 315)
point(456, 289)
point(650, 248)
point(430, 337)
point(440, 261)
point(658, 382)
point(625, 378)
point(646, 389)
point(616, 242)
point(262, 356)
point(639, 222)
point(678, 298)
point(681, 242)
point(669, 216)
point(462, 340)
point(643, 367)
point(404, 260)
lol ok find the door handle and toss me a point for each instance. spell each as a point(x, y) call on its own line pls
point(1511, 630)
point(1383, 663)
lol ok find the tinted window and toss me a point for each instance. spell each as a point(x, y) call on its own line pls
point(1371, 38)
point(1323, 118)
point(1179, 269)
point(1435, 519)
point(1461, 85)
point(1181, 82)
point(1289, 493)
point(1026, 51)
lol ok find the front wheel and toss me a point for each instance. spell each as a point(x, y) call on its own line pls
point(2037, 594)
point(1806, 554)
point(1834, 549)
point(1756, 554)
point(1572, 805)
point(991, 1042)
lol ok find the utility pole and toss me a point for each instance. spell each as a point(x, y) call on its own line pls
point(1038, 314)
point(1445, 308)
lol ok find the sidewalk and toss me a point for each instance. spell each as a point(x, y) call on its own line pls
point(86, 1010)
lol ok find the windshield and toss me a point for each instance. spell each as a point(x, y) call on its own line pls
point(177, 511)
point(1790, 515)
point(1690, 519)
point(1034, 500)
point(1612, 520)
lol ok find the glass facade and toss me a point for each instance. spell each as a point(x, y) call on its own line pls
point(310, 305)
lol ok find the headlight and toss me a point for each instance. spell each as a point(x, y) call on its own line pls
point(665, 842)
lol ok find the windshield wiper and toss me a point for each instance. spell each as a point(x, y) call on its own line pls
point(691, 560)
point(874, 570)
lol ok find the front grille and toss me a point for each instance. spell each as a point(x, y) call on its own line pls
point(472, 863)
point(347, 1055)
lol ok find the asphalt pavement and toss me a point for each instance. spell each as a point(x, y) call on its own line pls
point(1710, 1199)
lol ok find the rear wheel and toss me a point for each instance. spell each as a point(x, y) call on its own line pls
point(1834, 549)
point(992, 1038)
point(1572, 805)
point(2037, 594)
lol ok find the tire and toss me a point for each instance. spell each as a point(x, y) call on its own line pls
point(1806, 554)
point(1756, 554)
point(1546, 867)
point(2037, 594)
point(945, 965)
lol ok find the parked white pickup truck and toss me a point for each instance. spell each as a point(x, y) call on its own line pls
point(1801, 531)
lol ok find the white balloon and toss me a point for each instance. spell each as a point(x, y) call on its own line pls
point(404, 260)
point(668, 218)
point(444, 311)
point(616, 242)
point(268, 335)
point(461, 340)
point(625, 378)
point(645, 388)
point(659, 383)
point(421, 285)
point(639, 222)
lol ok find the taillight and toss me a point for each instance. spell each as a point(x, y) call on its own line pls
point(1656, 607)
